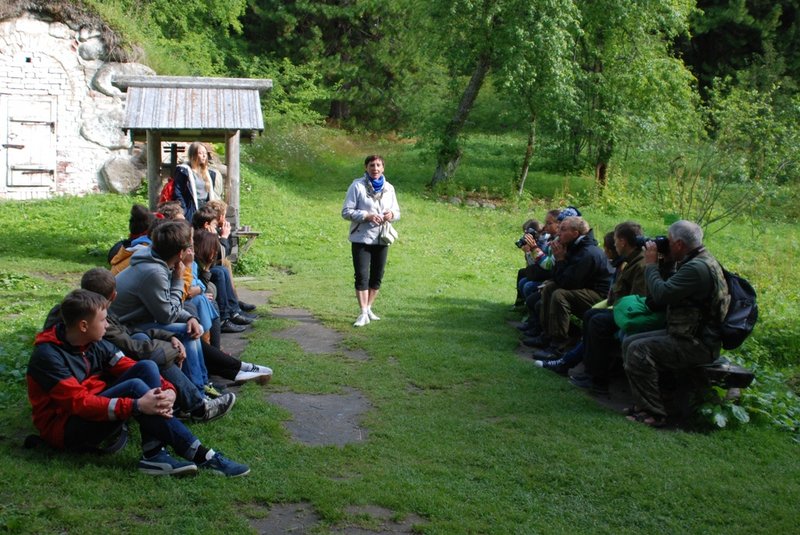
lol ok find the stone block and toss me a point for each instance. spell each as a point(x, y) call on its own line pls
point(60, 31)
point(102, 80)
point(120, 175)
point(92, 49)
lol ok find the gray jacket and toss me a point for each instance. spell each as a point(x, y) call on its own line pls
point(358, 203)
point(147, 292)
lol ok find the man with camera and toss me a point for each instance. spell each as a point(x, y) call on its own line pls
point(696, 298)
point(601, 348)
point(580, 279)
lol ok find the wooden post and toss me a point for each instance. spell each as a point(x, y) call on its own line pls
point(153, 167)
point(232, 182)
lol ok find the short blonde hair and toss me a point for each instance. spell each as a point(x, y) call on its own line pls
point(577, 223)
point(219, 206)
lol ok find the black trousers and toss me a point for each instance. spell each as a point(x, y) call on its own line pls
point(369, 262)
point(601, 347)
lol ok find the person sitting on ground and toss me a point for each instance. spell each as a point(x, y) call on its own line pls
point(542, 269)
point(171, 210)
point(150, 294)
point(601, 341)
point(123, 257)
point(526, 277)
point(230, 308)
point(697, 299)
point(217, 361)
point(580, 279)
point(158, 345)
point(599, 349)
point(225, 233)
point(83, 390)
point(138, 224)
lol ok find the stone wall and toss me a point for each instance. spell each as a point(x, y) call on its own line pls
point(45, 62)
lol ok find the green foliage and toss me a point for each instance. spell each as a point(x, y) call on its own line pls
point(190, 39)
point(757, 129)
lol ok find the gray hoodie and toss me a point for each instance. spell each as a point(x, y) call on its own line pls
point(358, 204)
point(147, 292)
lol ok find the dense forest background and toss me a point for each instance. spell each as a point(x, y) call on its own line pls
point(693, 92)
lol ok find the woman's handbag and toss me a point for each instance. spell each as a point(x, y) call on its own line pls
point(388, 234)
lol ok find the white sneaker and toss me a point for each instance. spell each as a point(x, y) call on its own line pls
point(254, 372)
point(362, 320)
point(372, 315)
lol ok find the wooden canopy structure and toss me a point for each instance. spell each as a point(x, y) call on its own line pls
point(177, 108)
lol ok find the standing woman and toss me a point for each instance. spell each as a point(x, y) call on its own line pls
point(370, 202)
point(195, 183)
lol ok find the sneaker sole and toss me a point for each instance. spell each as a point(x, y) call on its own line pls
point(218, 473)
point(188, 470)
point(261, 379)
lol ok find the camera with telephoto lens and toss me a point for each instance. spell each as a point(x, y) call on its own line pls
point(662, 243)
point(530, 230)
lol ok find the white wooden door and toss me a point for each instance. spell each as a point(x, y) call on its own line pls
point(29, 144)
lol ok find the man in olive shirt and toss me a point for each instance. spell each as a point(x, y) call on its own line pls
point(696, 298)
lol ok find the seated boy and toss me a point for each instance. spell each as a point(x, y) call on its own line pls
point(159, 345)
point(82, 389)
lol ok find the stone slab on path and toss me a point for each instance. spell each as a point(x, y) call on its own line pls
point(312, 335)
point(324, 419)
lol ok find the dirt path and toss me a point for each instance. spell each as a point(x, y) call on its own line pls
point(318, 420)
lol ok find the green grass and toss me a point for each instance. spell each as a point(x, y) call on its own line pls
point(461, 431)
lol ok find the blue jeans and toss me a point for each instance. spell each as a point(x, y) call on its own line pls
point(194, 367)
point(189, 396)
point(527, 287)
point(205, 310)
point(156, 431)
point(226, 295)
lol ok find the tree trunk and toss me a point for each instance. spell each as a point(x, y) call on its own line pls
point(450, 153)
point(604, 151)
point(526, 163)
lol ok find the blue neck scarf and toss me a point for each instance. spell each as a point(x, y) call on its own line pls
point(377, 185)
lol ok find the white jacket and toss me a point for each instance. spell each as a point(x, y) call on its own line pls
point(358, 204)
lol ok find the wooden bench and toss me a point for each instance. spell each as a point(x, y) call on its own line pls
point(242, 239)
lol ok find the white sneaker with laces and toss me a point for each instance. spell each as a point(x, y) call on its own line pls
point(249, 372)
point(372, 316)
point(362, 320)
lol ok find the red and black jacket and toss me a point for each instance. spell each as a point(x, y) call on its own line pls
point(65, 381)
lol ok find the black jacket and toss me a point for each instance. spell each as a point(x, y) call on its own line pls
point(585, 266)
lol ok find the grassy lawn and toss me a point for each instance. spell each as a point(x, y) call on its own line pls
point(461, 432)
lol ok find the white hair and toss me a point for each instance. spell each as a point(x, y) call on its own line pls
point(688, 232)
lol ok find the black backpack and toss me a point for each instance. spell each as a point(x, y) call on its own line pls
point(742, 312)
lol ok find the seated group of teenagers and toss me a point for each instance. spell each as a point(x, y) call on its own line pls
point(139, 341)
point(568, 275)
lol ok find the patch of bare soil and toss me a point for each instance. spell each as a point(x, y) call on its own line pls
point(301, 519)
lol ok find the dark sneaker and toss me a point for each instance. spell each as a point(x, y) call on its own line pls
point(247, 315)
point(228, 326)
point(557, 366)
point(582, 380)
point(239, 319)
point(163, 464)
point(549, 353)
point(225, 467)
point(215, 408)
point(537, 341)
point(247, 307)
